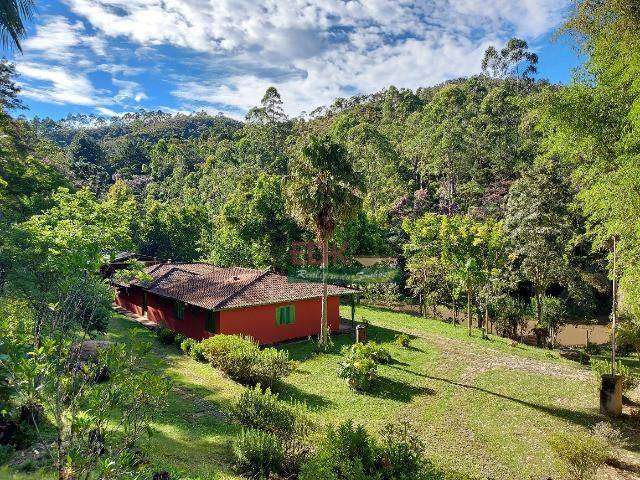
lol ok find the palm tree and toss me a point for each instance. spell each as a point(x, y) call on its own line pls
point(323, 191)
point(13, 13)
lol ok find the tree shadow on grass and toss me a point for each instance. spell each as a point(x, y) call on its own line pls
point(286, 391)
point(398, 391)
point(579, 418)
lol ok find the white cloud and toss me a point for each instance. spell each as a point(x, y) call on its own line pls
point(60, 87)
point(107, 112)
point(128, 90)
point(312, 50)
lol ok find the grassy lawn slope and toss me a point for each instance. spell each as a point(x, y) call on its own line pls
point(483, 407)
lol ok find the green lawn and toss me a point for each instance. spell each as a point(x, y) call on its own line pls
point(483, 407)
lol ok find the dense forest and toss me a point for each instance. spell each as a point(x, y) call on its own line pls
point(501, 195)
point(211, 188)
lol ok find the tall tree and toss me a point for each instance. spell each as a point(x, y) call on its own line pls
point(539, 226)
point(323, 191)
point(267, 127)
point(514, 60)
point(88, 163)
point(462, 252)
point(253, 228)
point(13, 14)
point(594, 125)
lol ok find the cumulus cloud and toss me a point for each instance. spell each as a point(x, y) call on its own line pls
point(60, 86)
point(227, 52)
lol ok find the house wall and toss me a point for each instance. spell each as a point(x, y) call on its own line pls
point(130, 298)
point(160, 311)
point(260, 322)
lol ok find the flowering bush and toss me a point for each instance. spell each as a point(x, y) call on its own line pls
point(372, 350)
point(359, 371)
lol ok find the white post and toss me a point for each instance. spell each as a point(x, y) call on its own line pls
point(614, 315)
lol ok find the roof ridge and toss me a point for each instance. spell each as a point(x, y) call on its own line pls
point(244, 287)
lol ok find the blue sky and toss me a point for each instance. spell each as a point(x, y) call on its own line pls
point(109, 57)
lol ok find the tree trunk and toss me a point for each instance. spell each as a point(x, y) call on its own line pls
point(324, 326)
point(469, 310)
point(485, 324)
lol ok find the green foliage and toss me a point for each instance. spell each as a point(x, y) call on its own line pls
point(403, 340)
point(628, 334)
point(258, 453)
point(166, 336)
point(540, 228)
point(401, 453)
point(449, 255)
point(289, 422)
point(509, 315)
point(349, 452)
point(630, 380)
point(554, 314)
point(593, 126)
point(371, 350)
point(197, 352)
point(253, 228)
point(263, 410)
point(579, 455)
point(171, 230)
point(187, 346)
point(242, 359)
point(359, 371)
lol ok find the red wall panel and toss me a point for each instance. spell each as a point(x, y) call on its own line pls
point(259, 322)
point(160, 311)
point(131, 299)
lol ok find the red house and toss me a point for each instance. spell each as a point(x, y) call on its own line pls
point(200, 300)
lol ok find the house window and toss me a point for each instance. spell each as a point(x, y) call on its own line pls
point(285, 315)
point(212, 322)
point(178, 310)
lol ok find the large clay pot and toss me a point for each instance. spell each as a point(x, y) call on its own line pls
point(611, 395)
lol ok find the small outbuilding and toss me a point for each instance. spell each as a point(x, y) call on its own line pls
point(199, 300)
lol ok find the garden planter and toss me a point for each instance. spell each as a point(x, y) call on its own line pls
point(611, 395)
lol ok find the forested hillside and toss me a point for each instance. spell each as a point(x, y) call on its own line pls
point(504, 198)
point(467, 155)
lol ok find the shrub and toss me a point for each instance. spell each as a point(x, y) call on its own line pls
point(321, 465)
point(354, 443)
point(258, 453)
point(346, 452)
point(166, 336)
point(241, 359)
point(402, 453)
point(403, 340)
point(270, 365)
point(603, 367)
point(371, 350)
point(197, 352)
point(360, 372)
point(628, 335)
point(580, 456)
point(264, 411)
point(260, 410)
point(6, 451)
point(186, 345)
point(179, 338)
point(593, 349)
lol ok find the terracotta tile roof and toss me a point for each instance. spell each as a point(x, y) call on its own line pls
point(217, 288)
